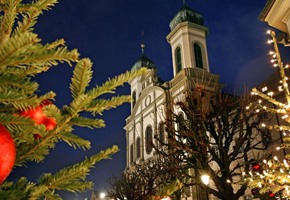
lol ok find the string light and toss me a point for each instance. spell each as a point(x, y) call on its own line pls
point(273, 173)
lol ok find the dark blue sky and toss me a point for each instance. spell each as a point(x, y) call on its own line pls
point(109, 32)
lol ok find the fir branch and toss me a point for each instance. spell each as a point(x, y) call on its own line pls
point(28, 21)
point(15, 98)
point(74, 141)
point(25, 84)
point(8, 19)
point(35, 152)
point(100, 105)
point(12, 119)
point(82, 76)
point(110, 85)
point(30, 13)
point(87, 122)
point(73, 178)
point(16, 47)
point(17, 191)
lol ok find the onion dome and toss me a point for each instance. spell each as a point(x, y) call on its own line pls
point(186, 14)
point(143, 61)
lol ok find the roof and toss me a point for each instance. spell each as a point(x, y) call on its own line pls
point(143, 61)
point(266, 10)
point(186, 14)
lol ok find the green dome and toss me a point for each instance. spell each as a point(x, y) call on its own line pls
point(186, 14)
point(143, 61)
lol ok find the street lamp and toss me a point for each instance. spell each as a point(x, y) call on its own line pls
point(102, 195)
point(205, 179)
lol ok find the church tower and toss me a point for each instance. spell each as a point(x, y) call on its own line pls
point(151, 97)
point(188, 40)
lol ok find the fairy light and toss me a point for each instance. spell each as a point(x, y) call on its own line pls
point(274, 173)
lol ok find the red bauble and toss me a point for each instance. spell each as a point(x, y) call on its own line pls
point(271, 194)
point(49, 123)
point(37, 115)
point(7, 153)
point(256, 167)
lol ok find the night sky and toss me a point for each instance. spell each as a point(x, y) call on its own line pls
point(109, 32)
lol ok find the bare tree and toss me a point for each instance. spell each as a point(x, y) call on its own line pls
point(214, 134)
point(143, 181)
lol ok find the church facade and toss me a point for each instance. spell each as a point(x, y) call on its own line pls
point(151, 96)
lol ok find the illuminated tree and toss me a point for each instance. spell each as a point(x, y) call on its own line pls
point(273, 175)
point(30, 123)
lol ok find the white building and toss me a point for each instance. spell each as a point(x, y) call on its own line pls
point(150, 96)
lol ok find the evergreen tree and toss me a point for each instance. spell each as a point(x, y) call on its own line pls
point(30, 123)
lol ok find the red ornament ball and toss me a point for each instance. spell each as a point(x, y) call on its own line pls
point(38, 116)
point(271, 194)
point(49, 123)
point(256, 167)
point(8, 153)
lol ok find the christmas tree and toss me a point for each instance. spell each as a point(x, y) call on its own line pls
point(30, 123)
point(271, 177)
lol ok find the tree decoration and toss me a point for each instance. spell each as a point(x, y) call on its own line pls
point(256, 167)
point(38, 116)
point(8, 153)
point(274, 178)
point(41, 124)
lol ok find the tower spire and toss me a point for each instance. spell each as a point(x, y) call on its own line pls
point(142, 43)
point(184, 2)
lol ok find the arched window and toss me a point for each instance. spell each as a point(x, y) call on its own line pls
point(180, 121)
point(133, 99)
point(178, 60)
point(161, 133)
point(198, 56)
point(131, 153)
point(148, 139)
point(138, 147)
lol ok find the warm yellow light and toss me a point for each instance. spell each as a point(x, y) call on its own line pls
point(102, 195)
point(205, 179)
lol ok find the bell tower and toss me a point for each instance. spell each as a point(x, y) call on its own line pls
point(188, 40)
